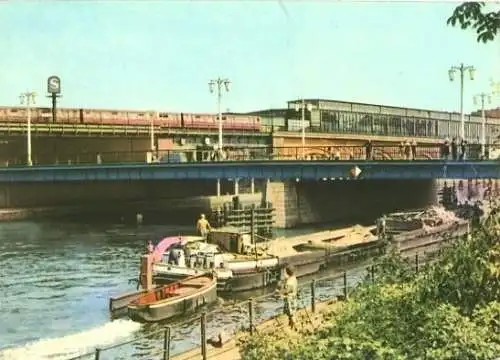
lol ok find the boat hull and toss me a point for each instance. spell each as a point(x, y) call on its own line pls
point(174, 308)
point(227, 282)
point(306, 263)
point(119, 303)
point(250, 280)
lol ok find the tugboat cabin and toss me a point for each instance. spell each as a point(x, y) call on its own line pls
point(232, 240)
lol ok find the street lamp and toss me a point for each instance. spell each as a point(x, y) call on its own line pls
point(303, 106)
point(152, 116)
point(29, 97)
point(219, 85)
point(483, 96)
point(451, 73)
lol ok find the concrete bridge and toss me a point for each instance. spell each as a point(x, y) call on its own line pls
point(305, 185)
point(280, 163)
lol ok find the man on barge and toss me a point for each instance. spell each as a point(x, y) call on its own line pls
point(203, 226)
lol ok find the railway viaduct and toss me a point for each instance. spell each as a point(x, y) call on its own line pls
point(56, 143)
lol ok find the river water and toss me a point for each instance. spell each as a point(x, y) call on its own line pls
point(56, 280)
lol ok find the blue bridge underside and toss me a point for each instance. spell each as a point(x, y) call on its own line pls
point(278, 170)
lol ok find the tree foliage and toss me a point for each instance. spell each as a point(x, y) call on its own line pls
point(449, 310)
point(471, 15)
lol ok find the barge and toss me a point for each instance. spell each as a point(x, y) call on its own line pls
point(173, 300)
point(242, 264)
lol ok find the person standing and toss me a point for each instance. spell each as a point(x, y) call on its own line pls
point(381, 227)
point(289, 292)
point(203, 226)
point(454, 149)
point(414, 150)
point(445, 152)
point(369, 150)
point(463, 150)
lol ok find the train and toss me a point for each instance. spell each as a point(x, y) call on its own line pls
point(41, 115)
point(326, 116)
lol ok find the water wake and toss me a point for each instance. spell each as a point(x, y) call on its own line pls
point(73, 345)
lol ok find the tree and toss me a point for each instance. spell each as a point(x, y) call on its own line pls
point(471, 15)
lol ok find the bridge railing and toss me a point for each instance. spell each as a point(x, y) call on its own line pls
point(270, 153)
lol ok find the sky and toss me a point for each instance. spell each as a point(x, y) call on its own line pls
point(160, 55)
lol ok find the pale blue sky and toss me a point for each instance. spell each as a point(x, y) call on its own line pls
point(161, 54)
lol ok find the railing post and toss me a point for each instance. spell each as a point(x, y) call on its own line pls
point(204, 336)
point(97, 355)
point(313, 295)
point(250, 315)
point(416, 263)
point(345, 285)
point(166, 344)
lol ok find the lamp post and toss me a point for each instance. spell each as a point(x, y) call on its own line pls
point(152, 118)
point(219, 85)
point(302, 107)
point(483, 97)
point(29, 97)
point(451, 73)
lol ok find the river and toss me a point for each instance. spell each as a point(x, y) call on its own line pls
point(56, 280)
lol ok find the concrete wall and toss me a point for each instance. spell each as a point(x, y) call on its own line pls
point(311, 202)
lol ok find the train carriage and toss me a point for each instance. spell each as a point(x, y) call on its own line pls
point(329, 116)
point(13, 114)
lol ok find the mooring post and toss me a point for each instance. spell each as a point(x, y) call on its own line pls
point(345, 285)
point(416, 262)
point(166, 344)
point(313, 295)
point(204, 336)
point(250, 315)
point(97, 354)
point(372, 272)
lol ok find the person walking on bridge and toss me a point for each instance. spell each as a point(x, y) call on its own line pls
point(203, 226)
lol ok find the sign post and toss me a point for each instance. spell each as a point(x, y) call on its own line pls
point(54, 90)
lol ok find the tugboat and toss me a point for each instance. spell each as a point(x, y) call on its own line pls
point(229, 252)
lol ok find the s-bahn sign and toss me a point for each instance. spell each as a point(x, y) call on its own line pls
point(54, 85)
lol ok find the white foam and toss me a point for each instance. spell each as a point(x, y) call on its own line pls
point(73, 345)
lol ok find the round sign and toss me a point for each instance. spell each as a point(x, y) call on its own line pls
point(54, 85)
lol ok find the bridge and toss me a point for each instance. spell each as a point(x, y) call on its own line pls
point(290, 163)
point(276, 170)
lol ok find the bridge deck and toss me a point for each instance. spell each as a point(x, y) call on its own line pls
point(274, 169)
